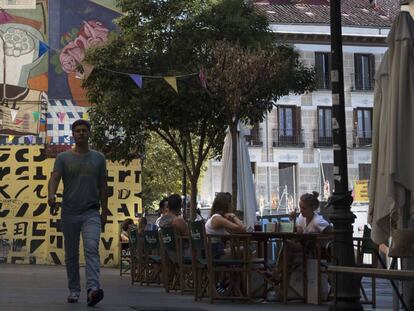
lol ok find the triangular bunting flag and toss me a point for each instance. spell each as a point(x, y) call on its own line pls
point(61, 116)
point(172, 81)
point(202, 78)
point(13, 113)
point(30, 138)
point(85, 116)
point(48, 139)
point(18, 121)
point(87, 70)
point(42, 121)
point(10, 138)
point(137, 79)
point(36, 115)
point(43, 48)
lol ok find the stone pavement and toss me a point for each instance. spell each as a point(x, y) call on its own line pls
point(43, 288)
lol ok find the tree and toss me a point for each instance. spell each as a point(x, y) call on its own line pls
point(161, 172)
point(167, 38)
point(249, 81)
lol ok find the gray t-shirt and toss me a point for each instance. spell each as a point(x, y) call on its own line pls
point(81, 175)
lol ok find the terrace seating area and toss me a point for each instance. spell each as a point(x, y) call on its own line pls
point(187, 264)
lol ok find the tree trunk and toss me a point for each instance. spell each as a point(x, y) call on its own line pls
point(193, 198)
point(233, 131)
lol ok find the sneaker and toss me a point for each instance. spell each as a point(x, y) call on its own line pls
point(73, 297)
point(94, 296)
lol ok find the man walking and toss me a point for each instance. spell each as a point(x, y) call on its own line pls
point(85, 190)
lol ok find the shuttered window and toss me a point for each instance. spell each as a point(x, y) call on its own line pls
point(364, 71)
point(322, 68)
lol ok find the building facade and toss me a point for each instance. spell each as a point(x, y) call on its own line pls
point(291, 150)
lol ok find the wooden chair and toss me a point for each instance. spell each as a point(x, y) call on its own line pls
point(207, 270)
point(365, 246)
point(290, 264)
point(135, 247)
point(151, 259)
point(124, 258)
point(177, 268)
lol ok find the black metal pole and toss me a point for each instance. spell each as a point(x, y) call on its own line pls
point(184, 186)
point(347, 285)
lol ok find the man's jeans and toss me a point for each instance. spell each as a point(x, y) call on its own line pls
point(89, 223)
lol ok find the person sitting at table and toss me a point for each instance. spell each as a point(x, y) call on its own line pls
point(309, 221)
point(172, 217)
point(222, 222)
point(124, 230)
point(161, 210)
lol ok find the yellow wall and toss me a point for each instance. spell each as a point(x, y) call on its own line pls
point(34, 235)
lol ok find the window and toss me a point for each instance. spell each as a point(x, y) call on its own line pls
point(254, 138)
point(324, 135)
point(286, 116)
point(363, 126)
point(364, 71)
point(322, 68)
point(289, 131)
point(364, 171)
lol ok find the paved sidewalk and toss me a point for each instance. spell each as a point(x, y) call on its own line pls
point(43, 288)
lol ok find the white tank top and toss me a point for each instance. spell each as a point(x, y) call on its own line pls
point(211, 230)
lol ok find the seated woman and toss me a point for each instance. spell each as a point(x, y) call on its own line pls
point(309, 221)
point(221, 222)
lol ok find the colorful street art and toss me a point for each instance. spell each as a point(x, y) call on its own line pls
point(50, 80)
point(29, 232)
point(23, 70)
point(41, 96)
point(77, 26)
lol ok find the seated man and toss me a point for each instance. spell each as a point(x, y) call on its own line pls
point(172, 217)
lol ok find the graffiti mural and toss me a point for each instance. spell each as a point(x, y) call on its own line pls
point(29, 232)
point(77, 26)
point(23, 70)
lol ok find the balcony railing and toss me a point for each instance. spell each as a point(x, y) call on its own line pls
point(255, 138)
point(323, 81)
point(362, 83)
point(321, 139)
point(362, 139)
point(288, 138)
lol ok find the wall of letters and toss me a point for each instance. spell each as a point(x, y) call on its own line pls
point(29, 232)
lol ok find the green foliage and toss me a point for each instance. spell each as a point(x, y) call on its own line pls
point(173, 38)
point(161, 172)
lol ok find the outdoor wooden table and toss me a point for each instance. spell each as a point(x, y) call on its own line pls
point(305, 239)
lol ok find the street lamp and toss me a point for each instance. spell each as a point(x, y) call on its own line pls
point(347, 285)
